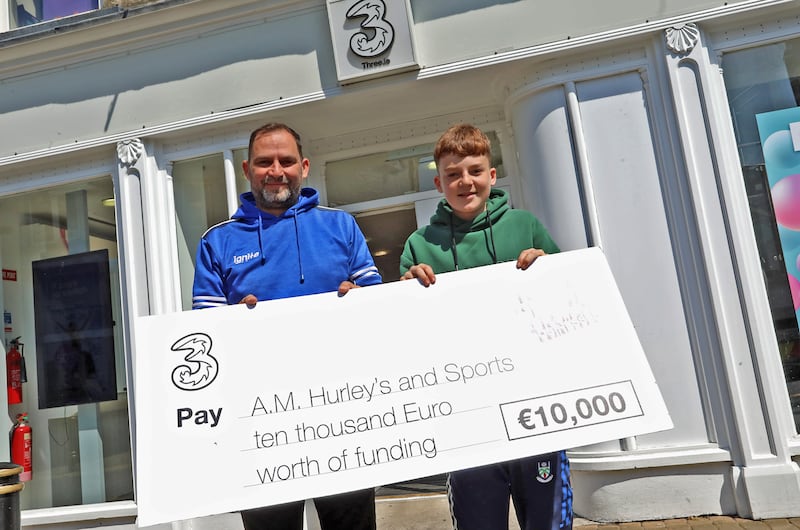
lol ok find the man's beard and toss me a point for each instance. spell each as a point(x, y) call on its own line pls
point(285, 198)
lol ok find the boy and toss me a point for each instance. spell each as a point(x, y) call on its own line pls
point(474, 226)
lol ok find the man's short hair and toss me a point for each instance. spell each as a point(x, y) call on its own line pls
point(462, 140)
point(272, 127)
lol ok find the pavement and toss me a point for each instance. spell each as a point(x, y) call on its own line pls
point(431, 512)
point(710, 522)
point(423, 505)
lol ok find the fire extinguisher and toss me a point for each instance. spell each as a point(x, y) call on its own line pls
point(15, 371)
point(22, 446)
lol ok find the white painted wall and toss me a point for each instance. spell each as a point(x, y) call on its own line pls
point(634, 235)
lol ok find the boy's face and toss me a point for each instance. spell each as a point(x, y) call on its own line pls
point(465, 183)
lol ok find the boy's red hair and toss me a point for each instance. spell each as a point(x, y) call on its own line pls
point(462, 140)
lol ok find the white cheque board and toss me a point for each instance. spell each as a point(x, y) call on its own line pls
point(239, 408)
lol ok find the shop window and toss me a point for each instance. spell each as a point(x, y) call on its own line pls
point(27, 12)
point(386, 230)
point(201, 201)
point(763, 87)
point(61, 301)
point(388, 174)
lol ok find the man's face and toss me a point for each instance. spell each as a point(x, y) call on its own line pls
point(276, 171)
point(465, 183)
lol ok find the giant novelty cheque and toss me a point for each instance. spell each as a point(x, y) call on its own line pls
point(298, 398)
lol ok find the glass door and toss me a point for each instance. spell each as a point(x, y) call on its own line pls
point(65, 359)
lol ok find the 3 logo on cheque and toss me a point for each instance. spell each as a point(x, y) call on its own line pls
point(199, 368)
point(196, 370)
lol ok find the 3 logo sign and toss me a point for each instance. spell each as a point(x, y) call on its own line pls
point(378, 35)
point(371, 38)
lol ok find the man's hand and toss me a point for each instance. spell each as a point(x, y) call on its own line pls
point(528, 256)
point(422, 272)
point(250, 300)
point(345, 287)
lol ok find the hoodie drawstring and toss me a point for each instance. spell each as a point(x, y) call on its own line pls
point(297, 242)
point(491, 236)
point(491, 239)
point(260, 239)
point(453, 243)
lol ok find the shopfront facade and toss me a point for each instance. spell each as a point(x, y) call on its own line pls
point(659, 131)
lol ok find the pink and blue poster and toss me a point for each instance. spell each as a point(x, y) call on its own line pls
point(63, 8)
point(780, 141)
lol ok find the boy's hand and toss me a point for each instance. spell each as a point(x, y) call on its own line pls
point(422, 272)
point(528, 256)
point(345, 287)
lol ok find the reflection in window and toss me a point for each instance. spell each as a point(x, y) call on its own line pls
point(49, 235)
point(386, 232)
point(200, 202)
point(760, 80)
point(372, 177)
point(29, 12)
point(388, 174)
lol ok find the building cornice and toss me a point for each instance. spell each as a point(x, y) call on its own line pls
point(205, 15)
point(112, 31)
point(595, 39)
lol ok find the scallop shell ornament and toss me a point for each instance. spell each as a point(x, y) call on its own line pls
point(129, 151)
point(682, 38)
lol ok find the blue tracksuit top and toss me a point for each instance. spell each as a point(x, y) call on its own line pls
point(308, 249)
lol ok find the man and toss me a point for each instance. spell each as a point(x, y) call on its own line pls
point(281, 243)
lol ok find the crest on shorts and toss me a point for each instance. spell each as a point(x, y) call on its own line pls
point(544, 474)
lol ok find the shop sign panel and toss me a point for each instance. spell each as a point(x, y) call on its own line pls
point(298, 398)
point(371, 38)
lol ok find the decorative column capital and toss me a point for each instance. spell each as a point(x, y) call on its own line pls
point(682, 38)
point(129, 151)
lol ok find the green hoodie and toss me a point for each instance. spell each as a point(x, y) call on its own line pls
point(499, 234)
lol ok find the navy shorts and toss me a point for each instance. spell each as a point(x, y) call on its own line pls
point(539, 485)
